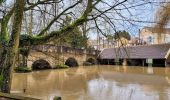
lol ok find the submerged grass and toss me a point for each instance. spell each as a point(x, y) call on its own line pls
point(60, 66)
point(23, 69)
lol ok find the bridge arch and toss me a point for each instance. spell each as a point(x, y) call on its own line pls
point(91, 60)
point(71, 62)
point(41, 64)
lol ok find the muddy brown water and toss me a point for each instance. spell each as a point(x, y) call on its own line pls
point(95, 83)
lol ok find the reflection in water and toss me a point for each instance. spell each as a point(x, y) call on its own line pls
point(150, 70)
point(96, 83)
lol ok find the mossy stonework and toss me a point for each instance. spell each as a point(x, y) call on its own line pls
point(55, 57)
point(10, 48)
point(60, 66)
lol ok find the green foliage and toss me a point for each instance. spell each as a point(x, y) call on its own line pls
point(61, 66)
point(24, 51)
point(110, 37)
point(75, 38)
point(78, 41)
point(123, 34)
point(1, 79)
point(23, 69)
point(1, 1)
point(25, 40)
point(90, 48)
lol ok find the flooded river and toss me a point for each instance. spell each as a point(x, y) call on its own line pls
point(95, 83)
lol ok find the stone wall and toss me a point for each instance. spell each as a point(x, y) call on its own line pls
point(58, 55)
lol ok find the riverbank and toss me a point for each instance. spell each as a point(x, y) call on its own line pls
point(6, 96)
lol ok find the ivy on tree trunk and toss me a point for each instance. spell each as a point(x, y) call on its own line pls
point(10, 49)
point(11, 44)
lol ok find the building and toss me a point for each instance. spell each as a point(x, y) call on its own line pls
point(157, 55)
point(136, 41)
point(93, 44)
point(121, 42)
point(152, 36)
point(100, 44)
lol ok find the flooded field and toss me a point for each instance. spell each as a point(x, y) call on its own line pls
point(96, 83)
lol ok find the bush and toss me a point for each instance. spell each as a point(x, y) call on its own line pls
point(60, 66)
point(23, 69)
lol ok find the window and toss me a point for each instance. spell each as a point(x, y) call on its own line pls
point(150, 40)
point(167, 39)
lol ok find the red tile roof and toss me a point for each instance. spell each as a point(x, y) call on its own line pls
point(157, 51)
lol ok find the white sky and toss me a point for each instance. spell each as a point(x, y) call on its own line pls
point(142, 13)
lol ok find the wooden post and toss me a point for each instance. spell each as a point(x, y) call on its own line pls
point(117, 61)
point(108, 62)
point(143, 62)
point(166, 64)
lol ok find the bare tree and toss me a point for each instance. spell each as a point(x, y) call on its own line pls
point(52, 13)
point(163, 16)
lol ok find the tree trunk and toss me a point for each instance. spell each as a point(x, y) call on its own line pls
point(23, 61)
point(30, 23)
point(10, 49)
point(6, 72)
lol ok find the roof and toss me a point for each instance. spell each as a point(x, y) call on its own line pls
point(156, 30)
point(157, 51)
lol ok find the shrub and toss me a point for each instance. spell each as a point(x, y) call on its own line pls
point(61, 66)
point(23, 69)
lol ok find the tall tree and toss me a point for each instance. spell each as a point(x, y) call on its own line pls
point(10, 47)
point(81, 10)
point(120, 34)
point(75, 38)
point(162, 19)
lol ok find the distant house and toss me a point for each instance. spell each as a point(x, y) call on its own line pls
point(152, 36)
point(93, 44)
point(101, 43)
point(136, 41)
point(121, 42)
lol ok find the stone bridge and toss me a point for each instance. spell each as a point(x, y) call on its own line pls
point(61, 55)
